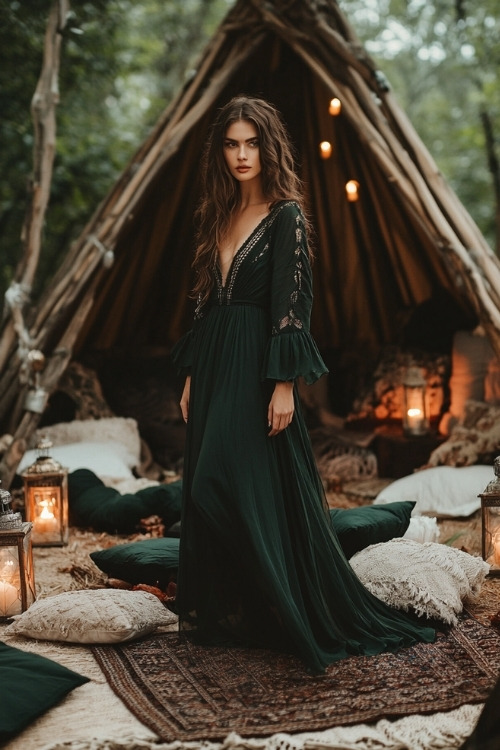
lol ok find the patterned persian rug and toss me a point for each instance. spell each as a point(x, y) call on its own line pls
point(183, 691)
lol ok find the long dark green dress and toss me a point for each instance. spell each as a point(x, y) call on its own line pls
point(259, 561)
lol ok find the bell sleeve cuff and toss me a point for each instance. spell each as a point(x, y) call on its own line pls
point(291, 355)
point(182, 354)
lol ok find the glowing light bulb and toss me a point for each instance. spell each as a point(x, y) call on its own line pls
point(352, 190)
point(335, 107)
point(325, 149)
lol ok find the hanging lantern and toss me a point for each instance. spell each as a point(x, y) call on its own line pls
point(335, 107)
point(490, 521)
point(46, 498)
point(352, 190)
point(17, 579)
point(415, 421)
point(325, 149)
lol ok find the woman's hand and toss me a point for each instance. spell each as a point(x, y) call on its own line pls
point(281, 407)
point(184, 402)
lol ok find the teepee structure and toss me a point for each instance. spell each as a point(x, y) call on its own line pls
point(405, 239)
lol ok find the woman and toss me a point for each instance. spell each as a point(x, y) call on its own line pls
point(259, 561)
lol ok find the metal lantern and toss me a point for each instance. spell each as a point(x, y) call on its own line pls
point(46, 498)
point(415, 420)
point(17, 578)
point(490, 521)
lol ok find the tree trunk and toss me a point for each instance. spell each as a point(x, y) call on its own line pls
point(493, 166)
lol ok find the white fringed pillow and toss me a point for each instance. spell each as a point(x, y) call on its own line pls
point(431, 579)
point(92, 616)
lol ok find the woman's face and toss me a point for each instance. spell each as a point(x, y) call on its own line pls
point(241, 151)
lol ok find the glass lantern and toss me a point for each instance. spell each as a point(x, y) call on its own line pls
point(17, 577)
point(490, 521)
point(415, 420)
point(46, 498)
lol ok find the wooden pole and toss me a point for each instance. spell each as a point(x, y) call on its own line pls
point(43, 108)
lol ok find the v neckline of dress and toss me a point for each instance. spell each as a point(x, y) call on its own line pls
point(223, 282)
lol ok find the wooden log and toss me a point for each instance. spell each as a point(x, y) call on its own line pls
point(43, 106)
point(56, 365)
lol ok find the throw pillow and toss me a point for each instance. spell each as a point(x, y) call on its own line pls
point(92, 616)
point(152, 561)
point(475, 441)
point(441, 490)
point(92, 504)
point(30, 685)
point(110, 447)
point(106, 460)
point(114, 430)
point(431, 579)
point(357, 528)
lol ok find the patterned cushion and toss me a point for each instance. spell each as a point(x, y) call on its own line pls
point(101, 616)
point(475, 441)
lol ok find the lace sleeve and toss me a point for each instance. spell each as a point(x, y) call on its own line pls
point(291, 351)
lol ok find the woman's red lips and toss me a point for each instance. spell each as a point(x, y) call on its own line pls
point(242, 169)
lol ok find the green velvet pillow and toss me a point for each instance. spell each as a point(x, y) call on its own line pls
point(30, 685)
point(357, 528)
point(103, 508)
point(152, 561)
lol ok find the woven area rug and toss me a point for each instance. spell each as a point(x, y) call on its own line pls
point(183, 691)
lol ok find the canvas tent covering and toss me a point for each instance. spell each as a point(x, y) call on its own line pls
point(406, 242)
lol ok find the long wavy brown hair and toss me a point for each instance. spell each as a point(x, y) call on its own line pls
point(221, 191)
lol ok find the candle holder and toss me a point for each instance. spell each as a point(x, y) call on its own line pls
point(17, 576)
point(415, 420)
point(490, 521)
point(46, 498)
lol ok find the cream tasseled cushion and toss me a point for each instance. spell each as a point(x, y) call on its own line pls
point(92, 616)
point(431, 579)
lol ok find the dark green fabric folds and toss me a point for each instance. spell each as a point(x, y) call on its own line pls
point(290, 356)
point(260, 562)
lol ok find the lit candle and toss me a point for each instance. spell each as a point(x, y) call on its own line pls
point(415, 419)
point(46, 523)
point(325, 149)
point(8, 597)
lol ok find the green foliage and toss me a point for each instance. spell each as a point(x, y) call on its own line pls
point(121, 63)
point(442, 59)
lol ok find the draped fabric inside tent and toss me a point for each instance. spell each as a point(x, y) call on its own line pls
point(374, 263)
